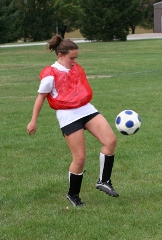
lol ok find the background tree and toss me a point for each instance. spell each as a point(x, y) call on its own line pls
point(67, 15)
point(137, 15)
point(36, 19)
point(106, 19)
point(41, 19)
point(148, 19)
point(8, 21)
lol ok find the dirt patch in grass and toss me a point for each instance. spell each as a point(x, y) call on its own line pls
point(99, 76)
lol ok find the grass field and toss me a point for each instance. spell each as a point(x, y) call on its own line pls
point(34, 169)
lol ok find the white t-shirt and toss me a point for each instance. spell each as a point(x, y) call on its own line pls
point(67, 116)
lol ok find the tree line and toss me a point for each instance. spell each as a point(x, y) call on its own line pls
point(99, 20)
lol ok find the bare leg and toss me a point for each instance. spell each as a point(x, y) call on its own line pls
point(99, 127)
point(76, 143)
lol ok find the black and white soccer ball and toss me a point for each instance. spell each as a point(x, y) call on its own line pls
point(128, 122)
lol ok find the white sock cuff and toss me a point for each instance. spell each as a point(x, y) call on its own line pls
point(102, 162)
point(74, 174)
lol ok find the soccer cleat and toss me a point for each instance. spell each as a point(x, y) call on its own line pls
point(75, 200)
point(107, 188)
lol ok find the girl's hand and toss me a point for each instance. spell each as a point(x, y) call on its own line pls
point(31, 128)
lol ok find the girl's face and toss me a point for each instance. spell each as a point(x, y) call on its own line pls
point(69, 59)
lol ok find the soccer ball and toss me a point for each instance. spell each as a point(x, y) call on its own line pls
point(128, 122)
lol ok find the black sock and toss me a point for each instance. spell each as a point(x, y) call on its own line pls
point(75, 182)
point(106, 165)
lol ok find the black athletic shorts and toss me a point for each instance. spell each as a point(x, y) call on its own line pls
point(77, 125)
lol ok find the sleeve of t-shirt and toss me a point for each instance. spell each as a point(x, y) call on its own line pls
point(46, 85)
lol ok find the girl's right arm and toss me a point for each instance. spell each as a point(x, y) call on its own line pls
point(32, 126)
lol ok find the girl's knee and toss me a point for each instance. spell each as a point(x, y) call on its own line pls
point(79, 160)
point(111, 142)
point(114, 140)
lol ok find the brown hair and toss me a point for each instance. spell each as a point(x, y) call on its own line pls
point(60, 45)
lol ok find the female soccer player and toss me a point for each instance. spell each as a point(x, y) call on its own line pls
point(67, 90)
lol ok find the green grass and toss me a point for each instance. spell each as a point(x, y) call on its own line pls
point(34, 169)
